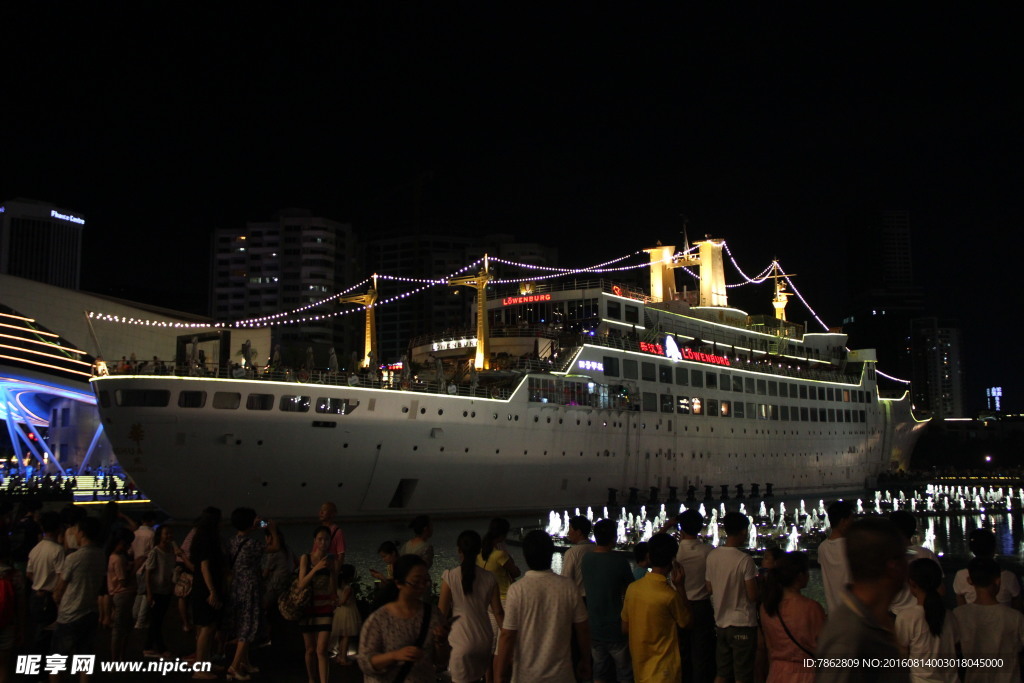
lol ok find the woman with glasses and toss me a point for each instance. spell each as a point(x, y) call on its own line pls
point(402, 639)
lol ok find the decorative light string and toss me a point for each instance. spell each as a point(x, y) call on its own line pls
point(307, 307)
point(800, 296)
point(283, 319)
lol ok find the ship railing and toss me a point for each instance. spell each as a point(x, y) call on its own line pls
point(341, 379)
point(510, 331)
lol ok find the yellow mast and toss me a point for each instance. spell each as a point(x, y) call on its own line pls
point(370, 334)
point(479, 283)
point(712, 273)
point(781, 297)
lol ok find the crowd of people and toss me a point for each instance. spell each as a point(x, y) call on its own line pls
point(685, 612)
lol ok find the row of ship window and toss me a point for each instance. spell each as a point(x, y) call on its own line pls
point(723, 381)
point(713, 407)
point(224, 400)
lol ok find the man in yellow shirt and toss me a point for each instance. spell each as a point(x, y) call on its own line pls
point(653, 613)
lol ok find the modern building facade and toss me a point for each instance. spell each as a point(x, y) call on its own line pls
point(283, 264)
point(42, 242)
point(937, 372)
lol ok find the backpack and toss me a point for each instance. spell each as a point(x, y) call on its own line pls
point(8, 599)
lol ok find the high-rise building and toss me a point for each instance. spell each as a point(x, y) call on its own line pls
point(994, 399)
point(42, 242)
point(937, 381)
point(883, 295)
point(274, 266)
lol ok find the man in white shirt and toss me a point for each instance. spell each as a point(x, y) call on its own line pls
point(572, 561)
point(835, 570)
point(542, 611)
point(732, 581)
point(44, 563)
point(698, 638)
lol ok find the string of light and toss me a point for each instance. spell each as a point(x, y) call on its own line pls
point(307, 307)
point(284, 318)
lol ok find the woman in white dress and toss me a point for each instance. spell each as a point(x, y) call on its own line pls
point(466, 593)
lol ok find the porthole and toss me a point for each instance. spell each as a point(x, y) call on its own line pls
point(344, 445)
point(535, 418)
point(510, 417)
point(494, 415)
point(423, 411)
point(405, 409)
point(415, 448)
point(465, 413)
point(440, 411)
point(473, 414)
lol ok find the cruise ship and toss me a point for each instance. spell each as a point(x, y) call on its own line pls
point(567, 393)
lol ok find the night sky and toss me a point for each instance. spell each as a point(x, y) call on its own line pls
point(595, 127)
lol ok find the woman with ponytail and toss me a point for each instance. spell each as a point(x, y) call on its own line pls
point(466, 593)
point(926, 630)
point(790, 621)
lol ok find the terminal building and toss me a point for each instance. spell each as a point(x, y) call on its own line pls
point(52, 340)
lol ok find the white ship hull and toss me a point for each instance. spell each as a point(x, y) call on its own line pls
point(401, 452)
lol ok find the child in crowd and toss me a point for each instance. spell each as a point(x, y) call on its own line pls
point(925, 630)
point(988, 630)
point(640, 557)
point(347, 621)
point(386, 591)
point(982, 543)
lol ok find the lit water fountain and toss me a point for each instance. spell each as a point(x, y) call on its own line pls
point(714, 535)
point(554, 524)
point(703, 512)
point(620, 532)
point(590, 514)
point(929, 535)
point(743, 509)
point(771, 516)
point(860, 506)
point(721, 509)
point(808, 524)
point(751, 534)
point(762, 511)
point(648, 531)
point(913, 504)
point(793, 541)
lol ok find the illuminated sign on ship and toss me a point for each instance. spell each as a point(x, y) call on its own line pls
point(513, 300)
point(671, 350)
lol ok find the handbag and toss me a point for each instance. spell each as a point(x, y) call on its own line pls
point(294, 602)
point(182, 582)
